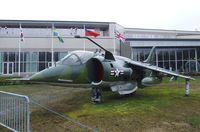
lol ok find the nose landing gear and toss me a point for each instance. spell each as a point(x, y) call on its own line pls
point(96, 96)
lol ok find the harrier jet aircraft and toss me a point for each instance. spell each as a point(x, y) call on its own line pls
point(104, 71)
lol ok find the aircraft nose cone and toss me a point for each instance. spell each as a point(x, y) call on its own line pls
point(47, 75)
point(37, 77)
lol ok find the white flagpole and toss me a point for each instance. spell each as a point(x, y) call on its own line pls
point(19, 52)
point(84, 39)
point(114, 46)
point(52, 53)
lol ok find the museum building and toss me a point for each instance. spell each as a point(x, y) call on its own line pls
point(175, 50)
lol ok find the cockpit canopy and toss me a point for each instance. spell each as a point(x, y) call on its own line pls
point(76, 58)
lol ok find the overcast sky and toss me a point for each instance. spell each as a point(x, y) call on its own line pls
point(153, 14)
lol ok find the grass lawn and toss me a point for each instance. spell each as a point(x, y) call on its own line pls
point(162, 107)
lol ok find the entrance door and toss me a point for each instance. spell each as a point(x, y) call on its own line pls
point(8, 68)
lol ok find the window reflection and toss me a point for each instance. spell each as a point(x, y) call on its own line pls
point(175, 59)
point(30, 62)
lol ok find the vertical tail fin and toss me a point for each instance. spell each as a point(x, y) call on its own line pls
point(151, 58)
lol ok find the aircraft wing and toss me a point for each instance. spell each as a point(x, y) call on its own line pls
point(155, 68)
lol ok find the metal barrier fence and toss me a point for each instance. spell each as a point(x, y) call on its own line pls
point(14, 112)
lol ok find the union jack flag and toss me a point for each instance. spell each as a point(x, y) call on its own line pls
point(119, 36)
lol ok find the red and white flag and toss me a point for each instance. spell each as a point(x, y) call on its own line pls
point(91, 33)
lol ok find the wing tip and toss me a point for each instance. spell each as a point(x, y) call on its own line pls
point(191, 78)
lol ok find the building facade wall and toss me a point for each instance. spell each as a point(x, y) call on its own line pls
point(175, 50)
point(36, 48)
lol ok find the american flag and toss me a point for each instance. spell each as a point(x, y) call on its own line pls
point(119, 36)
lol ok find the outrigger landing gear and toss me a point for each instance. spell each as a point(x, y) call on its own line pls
point(187, 87)
point(96, 96)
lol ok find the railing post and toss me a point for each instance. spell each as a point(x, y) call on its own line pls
point(14, 112)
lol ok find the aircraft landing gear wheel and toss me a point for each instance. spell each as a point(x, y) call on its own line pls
point(96, 96)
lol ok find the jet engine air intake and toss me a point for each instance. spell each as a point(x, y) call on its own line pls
point(95, 70)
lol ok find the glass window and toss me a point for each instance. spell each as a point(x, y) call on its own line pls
point(138, 56)
point(48, 56)
point(41, 66)
point(192, 65)
point(41, 56)
point(27, 61)
point(16, 66)
point(41, 60)
point(34, 62)
point(21, 67)
point(34, 56)
point(1, 57)
point(166, 65)
point(192, 54)
point(172, 55)
point(134, 54)
point(166, 55)
point(198, 54)
point(11, 56)
point(186, 66)
point(28, 56)
point(71, 60)
point(180, 67)
point(5, 57)
point(160, 58)
point(160, 64)
point(33, 66)
point(179, 55)
point(185, 55)
point(0, 68)
point(141, 56)
point(146, 53)
point(172, 66)
point(55, 56)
